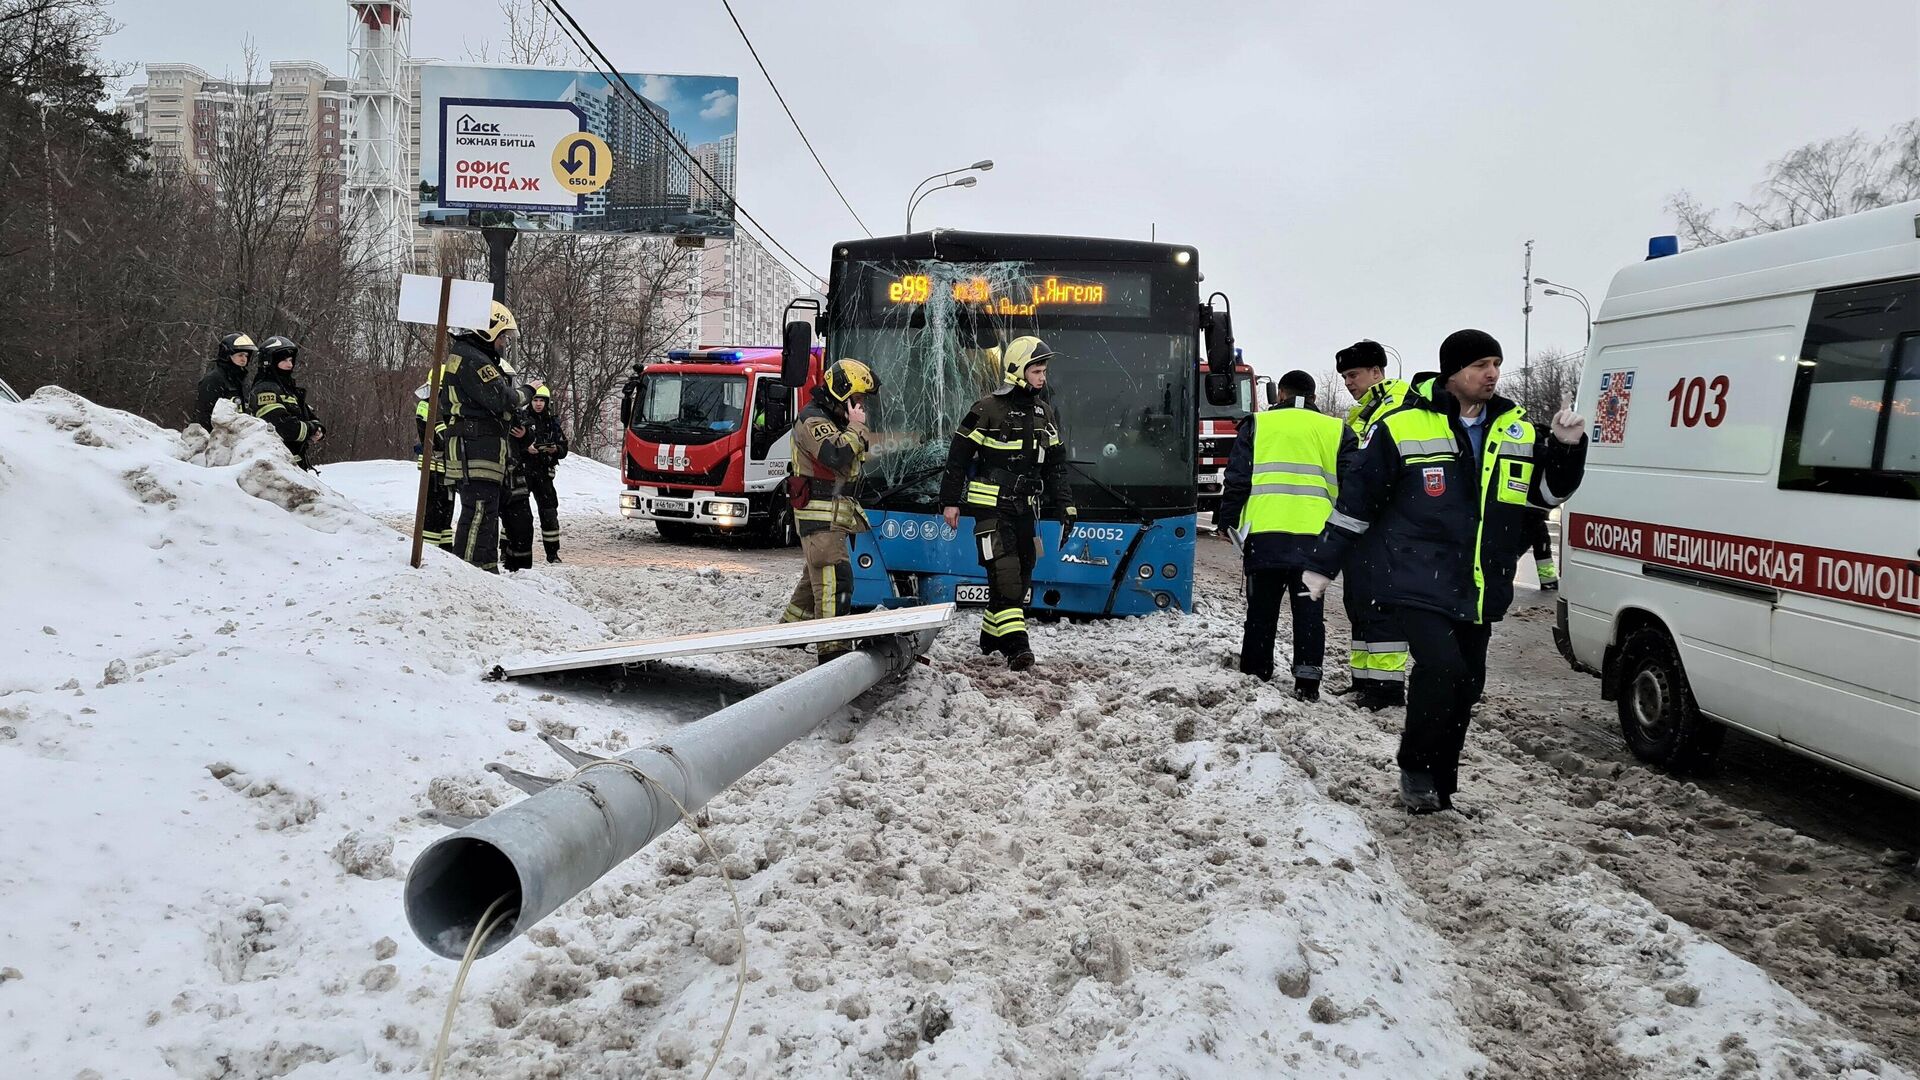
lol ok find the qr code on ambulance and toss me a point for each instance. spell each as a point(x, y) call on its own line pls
point(1610, 412)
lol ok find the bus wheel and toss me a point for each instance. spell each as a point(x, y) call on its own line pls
point(1658, 715)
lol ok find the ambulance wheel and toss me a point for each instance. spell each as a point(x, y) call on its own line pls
point(674, 532)
point(1658, 716)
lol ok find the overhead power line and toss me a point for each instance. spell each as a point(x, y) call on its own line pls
point(782, 98)
point(604, 67)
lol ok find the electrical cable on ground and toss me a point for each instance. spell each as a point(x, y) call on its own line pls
point(603, 66)
point(489, 922)
point(782, 98)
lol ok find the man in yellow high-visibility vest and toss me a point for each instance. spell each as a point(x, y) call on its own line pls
point(1282, 480)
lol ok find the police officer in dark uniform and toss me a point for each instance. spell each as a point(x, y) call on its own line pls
point(546, 447)
point(278, 400)
point(1008, 458)
point(1377, 659)
point(482, 395)
point(1450, 480)
point(226, 377)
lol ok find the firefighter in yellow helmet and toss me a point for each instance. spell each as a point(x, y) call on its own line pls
point(1008, 460)
point(829, 444)
point(482, 396)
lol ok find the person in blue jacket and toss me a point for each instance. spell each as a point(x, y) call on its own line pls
point(1447, 485)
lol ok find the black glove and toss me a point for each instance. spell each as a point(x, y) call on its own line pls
point(1068, 518)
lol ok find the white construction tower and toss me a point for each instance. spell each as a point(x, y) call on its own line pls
point(380, 193)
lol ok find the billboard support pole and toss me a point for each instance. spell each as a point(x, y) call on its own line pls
point(499, 240)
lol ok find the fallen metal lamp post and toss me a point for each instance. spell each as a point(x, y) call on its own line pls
point(543, 850)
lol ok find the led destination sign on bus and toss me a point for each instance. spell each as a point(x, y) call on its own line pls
point(1105, 294)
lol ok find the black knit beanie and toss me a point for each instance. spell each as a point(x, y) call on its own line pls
point(1360, 354)
point(1463, 348)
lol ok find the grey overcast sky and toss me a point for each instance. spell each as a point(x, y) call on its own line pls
point(1345, 170)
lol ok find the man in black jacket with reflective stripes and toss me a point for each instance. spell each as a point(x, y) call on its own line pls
point(482, 395)
point(1445, 486)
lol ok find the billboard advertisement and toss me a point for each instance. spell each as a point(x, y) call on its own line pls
point(556, 149)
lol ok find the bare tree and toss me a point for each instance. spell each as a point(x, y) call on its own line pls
point(1825, 179)
point(532, 38)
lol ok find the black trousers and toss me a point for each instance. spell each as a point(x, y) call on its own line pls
point(1005, 544)
point(516, 523)
point(1264, 590)
point(548, 503)
point(438, 528)
point(1449, 672)
point(478, 541)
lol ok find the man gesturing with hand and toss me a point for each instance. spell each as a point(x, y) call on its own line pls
point(1440, 493)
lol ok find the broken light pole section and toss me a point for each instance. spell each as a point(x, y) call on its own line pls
point(542, 851)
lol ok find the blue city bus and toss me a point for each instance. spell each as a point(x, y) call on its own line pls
point(929, 313)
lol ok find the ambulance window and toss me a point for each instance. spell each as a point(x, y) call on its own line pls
point(1854, 425)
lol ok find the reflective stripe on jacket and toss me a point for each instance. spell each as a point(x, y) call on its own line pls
point(1281, 482)
point(1442, 531)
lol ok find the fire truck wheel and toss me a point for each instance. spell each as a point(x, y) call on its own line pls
point(780, 530)
point(1658, 715)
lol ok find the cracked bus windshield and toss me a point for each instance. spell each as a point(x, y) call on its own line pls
point(1122, 376)
point(693, 408)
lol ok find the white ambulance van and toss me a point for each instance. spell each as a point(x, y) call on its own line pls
point(1745, 548)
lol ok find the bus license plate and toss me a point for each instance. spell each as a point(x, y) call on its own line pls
point(970, 595)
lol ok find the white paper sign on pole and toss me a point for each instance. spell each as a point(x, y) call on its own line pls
point(469, 307)
point(514, 155)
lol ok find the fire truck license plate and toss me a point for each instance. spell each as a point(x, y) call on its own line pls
point(970, 594)
point(673, 506)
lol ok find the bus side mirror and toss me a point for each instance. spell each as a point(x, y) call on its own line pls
point(1220, 389)
point(1219, 338)
point(1273, 394)
point(796, 352)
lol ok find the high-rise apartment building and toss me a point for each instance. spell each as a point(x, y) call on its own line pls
point(302, 109)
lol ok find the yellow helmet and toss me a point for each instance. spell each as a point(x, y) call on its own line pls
point(1022, 353)
point(847, 377)
point(501, 322)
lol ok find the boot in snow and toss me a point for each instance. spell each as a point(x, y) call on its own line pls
point(1417, 792)
point(553, 550)
point(1021, 660)
point(1306, 689)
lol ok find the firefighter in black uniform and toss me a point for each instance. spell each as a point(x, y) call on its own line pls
point(516, 511)
point(225, 378)
point(279, 401)
point(546, 446)
point(1008, 458)
point(438, 529)
point(1450, 481)
point(482, 397)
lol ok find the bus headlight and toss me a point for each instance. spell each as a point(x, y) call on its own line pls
point(1169, 571)
point(1162, 600)
point(866, 562)
point(1146, 571)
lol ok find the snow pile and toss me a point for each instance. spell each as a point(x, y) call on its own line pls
point(224, 702)
point(388, 489)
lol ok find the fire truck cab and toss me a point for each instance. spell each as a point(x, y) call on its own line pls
point(1219, 424)
point(708, 442)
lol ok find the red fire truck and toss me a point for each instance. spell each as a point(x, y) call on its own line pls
point(708, 445)
point(1218, 426)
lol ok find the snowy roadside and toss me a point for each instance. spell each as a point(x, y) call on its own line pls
point(387, 488)
point(1138, 863)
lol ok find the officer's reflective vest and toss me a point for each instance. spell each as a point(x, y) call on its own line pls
point(1296, 459)
point(1376, 401)
point(439, 437)
point(1425, 437)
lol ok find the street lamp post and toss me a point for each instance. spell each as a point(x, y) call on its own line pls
point(1557, 289)
point(913, 200)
